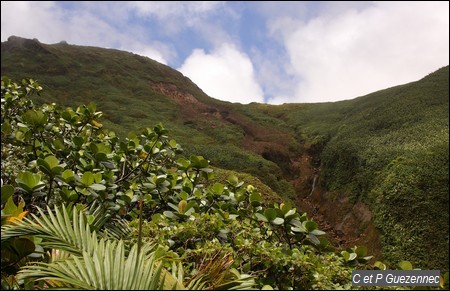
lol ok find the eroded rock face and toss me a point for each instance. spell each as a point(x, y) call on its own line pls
point(346, 224)
point(171, 91)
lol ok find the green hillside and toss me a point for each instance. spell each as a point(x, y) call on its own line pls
point(134, 92)
point(388, 149)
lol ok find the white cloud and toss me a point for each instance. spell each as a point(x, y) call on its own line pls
point(87, 24)
point(21, 18)
point(175, 16)
point(313, 51)
point(149, 52)
point(225, 74)
point(168, 9)
point(357, 51)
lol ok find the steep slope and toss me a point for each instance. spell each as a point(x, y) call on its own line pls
point(387, 152)
point(134, 92)
point(357, 166)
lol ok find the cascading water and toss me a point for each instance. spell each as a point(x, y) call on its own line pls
point(313, 185)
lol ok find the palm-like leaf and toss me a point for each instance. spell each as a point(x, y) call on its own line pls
point(57, 230)
point(92, 263)
point(107, 269)
point(110, 227)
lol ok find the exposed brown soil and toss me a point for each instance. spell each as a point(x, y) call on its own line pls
point(346, 224)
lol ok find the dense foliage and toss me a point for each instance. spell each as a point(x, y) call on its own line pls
point(136, 214)
point(390, 150)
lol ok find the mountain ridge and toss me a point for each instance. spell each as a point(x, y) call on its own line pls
point(315, 154)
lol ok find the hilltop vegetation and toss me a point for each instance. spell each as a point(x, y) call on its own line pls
point(388, 149)
point(134, 91)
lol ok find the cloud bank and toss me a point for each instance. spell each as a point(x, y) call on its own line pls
point(355, 52)
point(271, 52)
point(225, 74)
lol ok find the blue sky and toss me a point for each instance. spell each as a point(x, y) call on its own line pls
point(267, 52)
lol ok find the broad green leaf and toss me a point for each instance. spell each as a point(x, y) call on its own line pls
point(173, 143)
point(218, 188)
point(182, 206)
point(310, 225)
point(299, 229)
point(147, 198)
point(34, 117)
point(7, 191)
point(199, 162)
point(170, 214)
point(19, 135)
point(6, 128)
point(255, 199)
point(52, 161)
point(68, 175)
point(98, 187)
point(78, 141)
point(22, 247)
point(83, 191)
point(323, 242)
point(44, 166)
point(277, 221)
point(285, 207)
point(183, 163)
point(67, 115)
point(297, 223)
point(29, 181)
point(173, 206)
point(98, 177)
point(206, 170)
point(365, 259)
point(73, 196)
point(11, 208)
point(189, 211)
point(405, 265)
point(87, 178)
point(313, 238)
point(380, 265)
point(184, 195)
point(291, 212)
point(361, 251)
point(233, 180)
point(160, 130)
point(345, 255)
point(91, 107)
point(58, 143)
point(352, 256)
point(261, 217)
point(270, 214)
point(317, 232)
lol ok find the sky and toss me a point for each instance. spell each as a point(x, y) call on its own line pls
point(256, 51)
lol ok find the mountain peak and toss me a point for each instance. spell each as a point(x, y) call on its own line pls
point(16, 42)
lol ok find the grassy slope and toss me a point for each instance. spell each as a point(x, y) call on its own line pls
point(119, 82)
point(389, 148)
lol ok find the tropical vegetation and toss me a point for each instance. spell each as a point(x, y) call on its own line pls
point(83, 209)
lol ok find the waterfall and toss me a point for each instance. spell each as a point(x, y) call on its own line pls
point(313, 185)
